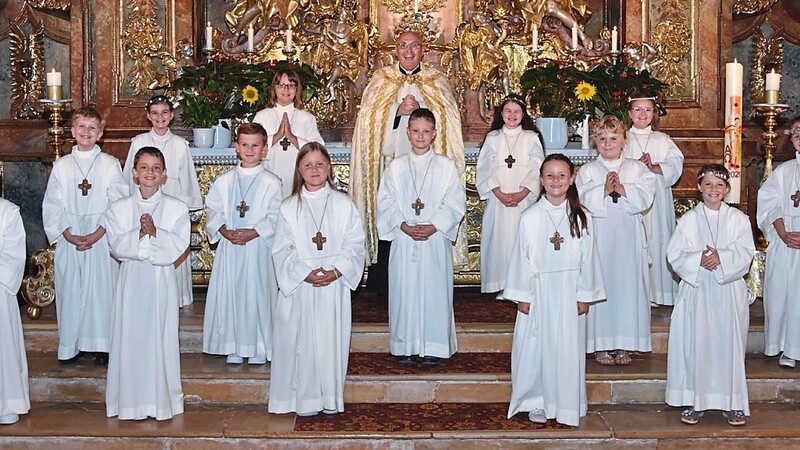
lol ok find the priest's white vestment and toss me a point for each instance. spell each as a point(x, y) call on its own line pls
point(14, 394)
point(659, 220)
point(709, 325)
point(281, 161)
point(242, 289)
point(781, 286)
point(548, 356)
point(623, 320)
point(312, 324)
point(499, 228)
point(421, 320)
point(84, 279)
point(181, 183)
point(144, 369)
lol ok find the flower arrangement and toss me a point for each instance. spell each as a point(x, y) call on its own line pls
point(221, 89)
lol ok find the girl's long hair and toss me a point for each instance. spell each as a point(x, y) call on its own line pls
point(656, 117)
point(577, 217)
point(297, 183)
point(526, 123)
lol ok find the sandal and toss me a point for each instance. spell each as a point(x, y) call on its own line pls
point(622, 358)
point(604, 358)
point(734, 418)
point(691, 416)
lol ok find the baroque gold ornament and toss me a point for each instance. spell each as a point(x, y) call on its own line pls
point(27, 63)
point(669, 38)
point(142, 40)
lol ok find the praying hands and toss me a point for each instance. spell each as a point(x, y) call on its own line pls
point(613, 185)
point(407, 106)
point(284, 133)
point(710, 259)
point(146, 226)
point(648, 161)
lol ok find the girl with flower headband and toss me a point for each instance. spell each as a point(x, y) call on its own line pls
point(617, 191)
point(711, 250)
point(663, 158)
point(508, 179)
point(289, 126)
point(182, 181)
point(778, 215)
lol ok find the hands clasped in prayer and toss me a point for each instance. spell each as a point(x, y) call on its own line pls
point(83, 243)
point(648, 161)
point(418, 232)
point(147, 226)
point(710, 259)
point(614, 185)
point(407, 106)
point(238, 237)
point(284, 133)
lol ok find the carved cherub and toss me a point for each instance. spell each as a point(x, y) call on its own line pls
point(640, 58)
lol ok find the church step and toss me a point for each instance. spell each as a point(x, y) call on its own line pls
point(72, 426)
point(374, 378)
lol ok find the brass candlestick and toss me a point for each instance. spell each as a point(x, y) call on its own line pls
point(56, 131)
point(770, 111)
point(290, 53)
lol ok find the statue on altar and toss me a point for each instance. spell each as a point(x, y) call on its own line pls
point(343, 51)
point(481, 58)
point(264, 16)
point(568, 12)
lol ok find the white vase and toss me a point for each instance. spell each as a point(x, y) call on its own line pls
point(222, 134)
point(554, 131)
point(203, 137)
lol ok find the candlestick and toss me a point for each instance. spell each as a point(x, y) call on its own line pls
point(209, 37)
point(732, 150)
point(772, 87)
point(56, 131)
point(289, 40)
point(54, 88)
point(535, 38)
point(614, 39)
point(575, 36)
point(770, 112)
point(250, 38)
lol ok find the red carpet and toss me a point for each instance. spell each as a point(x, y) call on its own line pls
point(470, 307)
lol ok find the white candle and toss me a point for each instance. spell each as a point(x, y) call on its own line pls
point(575, 37)
point(289, 40)
point(250, 38)
point(773, 81)
point(54, 89)
point(209, 36)
point(535, 38)
point(734, 76)
point(614, 40)
point(416, 6)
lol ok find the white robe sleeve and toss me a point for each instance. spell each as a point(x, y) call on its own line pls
point(272, 202)
point(54, 211)
point(308, 131)
point(590, 281)
point(449, 213)
point(640, 190)
point(771, 197)
point(485, 175)
point(685, 251)
point(353, 256)
point(519, 285)
point(216, 216)
point(122, 237)
point(736, 257)
point(672, 165)
point(187, 179)
point(171, 240)
point(291, 271)
point(591, 191)
point(127, 170)
point(12, 248)
point(531, 180)
point(117, 187)
point(389, 216)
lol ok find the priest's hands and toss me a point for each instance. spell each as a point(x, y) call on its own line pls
point(710, 259)
point(146, 226)
point(320, 277)
point(418, 232)
point(511, 199)
point(238, 237)
point(614, 185)
point(407, 106)
point(648, 161)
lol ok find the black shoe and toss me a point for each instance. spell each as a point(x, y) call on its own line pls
point(431, 361)
point(407, 360)
point(101, 359)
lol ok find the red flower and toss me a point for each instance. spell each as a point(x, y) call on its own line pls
point(616, 93)
point(202, 79)
point(623, 75)
point(644, 85)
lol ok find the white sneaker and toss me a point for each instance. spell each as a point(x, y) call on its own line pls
point(537, 416)
point(330, 411)
point(234, 359)
point(785, 361)
point(257, 360)
point(307, 414)
point(9, 419)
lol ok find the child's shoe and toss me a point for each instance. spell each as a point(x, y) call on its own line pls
point(9, 419)
point(785, 361)
point(234, 359)
point(537, 416)
point(257, 360)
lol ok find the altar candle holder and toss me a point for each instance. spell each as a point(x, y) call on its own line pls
point(770, 112)
point(290, 53)
point(56, 131)
point(615, 56)
point(534, 54)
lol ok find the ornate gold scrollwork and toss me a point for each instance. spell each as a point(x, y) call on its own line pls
point(142, 40)
point(752, 6)
point(51, 4)
point(27, 64)
point(40, 290)
point(669, 37)
point(767, 54)
point(202, 254)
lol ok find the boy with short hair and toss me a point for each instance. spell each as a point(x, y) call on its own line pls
point(421, 202)
point(241, 214)
point(82, 185)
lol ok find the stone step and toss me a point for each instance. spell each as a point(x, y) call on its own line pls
point(377, 378)
point(74, 426)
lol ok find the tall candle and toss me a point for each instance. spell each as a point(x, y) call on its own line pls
point(416, 6)
point(773, 81)
point(250, 38)
point(614, 40)
point(54, 89)
point(535, 38)
point(734, 75)
point(289, 40)
point(209, 36)
point(575, 37)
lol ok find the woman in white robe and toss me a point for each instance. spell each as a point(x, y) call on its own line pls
point(289, 126)
point(622, 322)
point(553, 282)
point(662, 157)
point(14, 394)
point(319, 258)
point(182, 182)
point(711, 250)
point(507, 177)
point(144, 370)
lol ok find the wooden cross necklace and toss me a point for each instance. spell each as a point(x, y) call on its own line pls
point(510, 159)
point(795, 198)
point(417, 206)
point(319, 239)
point(243, 207)
point(556, 239)
point(84, 185)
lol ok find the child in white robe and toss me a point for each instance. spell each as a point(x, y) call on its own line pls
point(616, 191)
point(241, 212)
point(778, 215)
point(319, 258)
point(554, 274)
point(289, 126)
point(420, 205)
point(711, 250)
point(14, 393)
point(507, 178)
point(662, 157)
point(149, 233)
point(80, 189)
point(182, 182)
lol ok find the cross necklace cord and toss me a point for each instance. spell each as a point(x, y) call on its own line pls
point(243, 206)
point(714, 236)
point(510, 158)
point(84, 185)
point(319, 239)
point(556, 239)
point(417, 206)
point(638, 142)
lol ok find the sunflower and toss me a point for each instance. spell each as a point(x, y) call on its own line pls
point(250, 94)
point(585, 91)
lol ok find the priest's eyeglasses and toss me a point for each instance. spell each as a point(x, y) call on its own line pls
point(641, 110)
point(288, 86)
point(407, 45)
